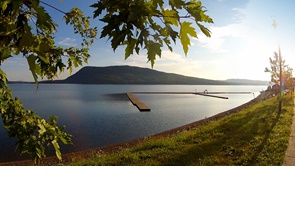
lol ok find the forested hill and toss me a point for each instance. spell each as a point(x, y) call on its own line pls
point(137, 75)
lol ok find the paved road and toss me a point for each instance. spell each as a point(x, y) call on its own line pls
point(290, 153)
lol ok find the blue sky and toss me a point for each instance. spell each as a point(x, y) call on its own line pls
point(242, 41)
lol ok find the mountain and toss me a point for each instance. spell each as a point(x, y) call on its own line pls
point(132, 75)
point(136, 75)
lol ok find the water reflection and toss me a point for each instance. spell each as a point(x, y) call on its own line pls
point(99, 115)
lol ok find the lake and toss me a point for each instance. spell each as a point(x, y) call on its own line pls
point(100, 115)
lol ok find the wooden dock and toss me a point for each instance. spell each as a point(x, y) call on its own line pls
point(199, 93)
point(196, 93)
point(135, 101)
point(142, 107)
point(210, 95)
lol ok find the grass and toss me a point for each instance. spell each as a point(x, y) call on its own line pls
point(255, 136)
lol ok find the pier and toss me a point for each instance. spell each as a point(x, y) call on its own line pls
point(196, 93)
point(135, 101)
point(210, 95)
point(142, 107)
point(192, 93)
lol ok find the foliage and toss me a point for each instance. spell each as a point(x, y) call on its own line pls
point(274, 70)
point(281, 74)
point(27, 29)
point(255, 136)
point(150, 24)
point(32, 132)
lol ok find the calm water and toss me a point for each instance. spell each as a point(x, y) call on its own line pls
point(99, 115)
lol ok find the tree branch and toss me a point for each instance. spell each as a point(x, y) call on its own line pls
point(53, 7)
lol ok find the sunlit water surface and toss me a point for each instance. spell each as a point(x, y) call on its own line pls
point(99, 115)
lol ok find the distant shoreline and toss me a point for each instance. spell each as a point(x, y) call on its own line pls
point(58, 83)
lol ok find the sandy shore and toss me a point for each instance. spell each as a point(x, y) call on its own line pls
point(68, 158)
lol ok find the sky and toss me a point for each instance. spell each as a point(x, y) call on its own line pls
point(243, 39)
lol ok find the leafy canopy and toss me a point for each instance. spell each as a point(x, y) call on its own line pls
point(274, 70)
point(150, 24)
point(27, 29)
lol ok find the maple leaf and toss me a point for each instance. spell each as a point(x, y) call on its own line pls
point(153, 49)
point(130, 47)
point(186, 29)
point(171, 17)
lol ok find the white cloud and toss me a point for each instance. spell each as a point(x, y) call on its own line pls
point(240, 13)
point(216, 43)
point(70, 42)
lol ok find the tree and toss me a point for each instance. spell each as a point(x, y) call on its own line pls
point(281, 74)
point(274, 70)
point(26, 28)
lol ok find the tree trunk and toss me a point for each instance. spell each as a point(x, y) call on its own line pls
point(281, 85)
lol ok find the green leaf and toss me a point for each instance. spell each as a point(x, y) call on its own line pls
point(158, 2)
point(4, 4)
point(56, 148)
point(45, 46)
point(177, 3)
point(173, 34)
point(196, 10)
point(42, 129)
point(39, 153)
point(74, 60)
point(33, 67)
point(168, 44)
point(27, 37)
point(130, 47)
point(171, 17)
point(43, 58)
point(4, 54)
point(186, 29)
point(153, 49)
point(63, 140)
point(118, 39)
point(44, 20)
point(205, 30)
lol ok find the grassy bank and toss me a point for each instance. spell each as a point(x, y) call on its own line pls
point(253, 136)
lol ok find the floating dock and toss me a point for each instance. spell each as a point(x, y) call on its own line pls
point(199, 93)
point(135, 101)
point(142, 107)
point(196, 93)
point(210, 95)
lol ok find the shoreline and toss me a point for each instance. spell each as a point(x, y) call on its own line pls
point(69, 157)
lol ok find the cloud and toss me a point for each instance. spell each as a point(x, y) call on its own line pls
point(70, 42)
point(216, 43)
point(239, 14)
